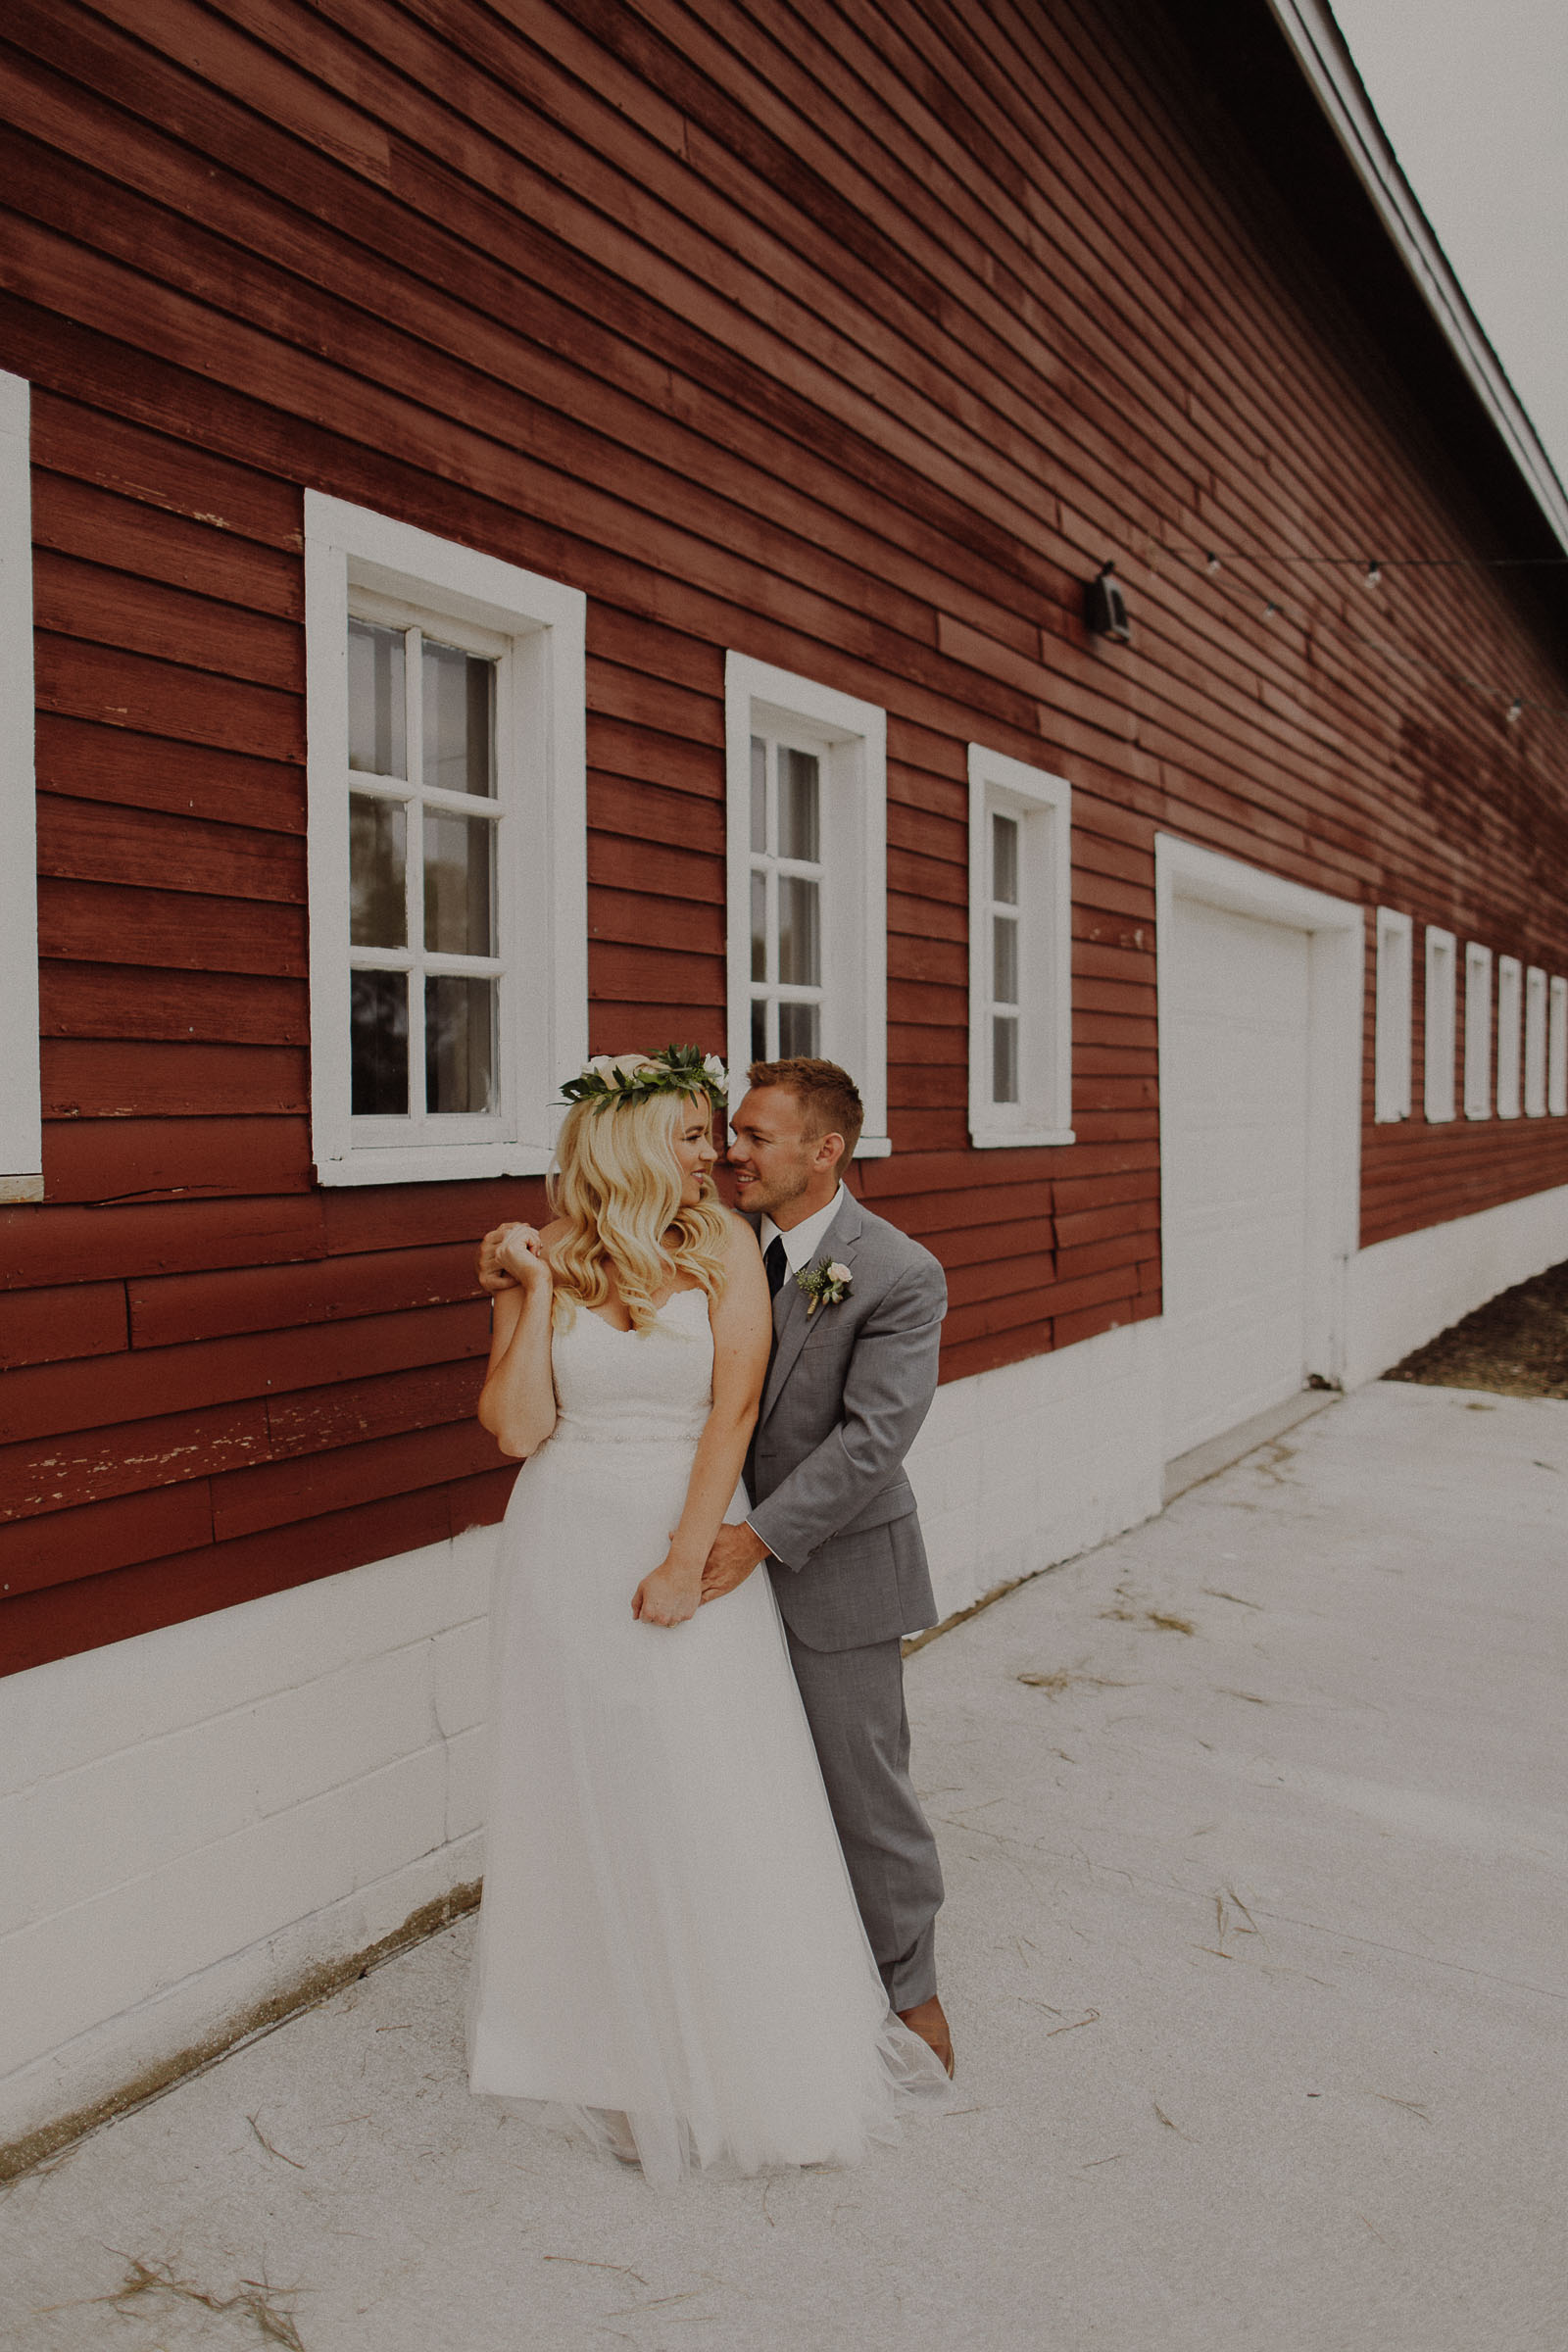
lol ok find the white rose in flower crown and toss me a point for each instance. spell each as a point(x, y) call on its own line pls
point(838, 1273)
point(627, 1065)
point(714, 1068)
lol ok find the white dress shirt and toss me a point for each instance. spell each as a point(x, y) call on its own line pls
point(803, 1242)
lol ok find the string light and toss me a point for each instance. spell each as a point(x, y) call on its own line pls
point(1372, 569)
point(1213, 558)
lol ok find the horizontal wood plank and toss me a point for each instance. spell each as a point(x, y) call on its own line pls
point(85, 841)
point(199, 1306)
point(111, 1390)
point(149, 695)
point(94, 1078)
point(112, 1160)
point(80, 1244)
point(48, 1326)
point(177, 930)
point(104, 999)
point(113, 768)
point(64, 1547)
point(59, 1474)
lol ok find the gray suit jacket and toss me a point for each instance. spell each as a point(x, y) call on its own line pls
point(846, 1392)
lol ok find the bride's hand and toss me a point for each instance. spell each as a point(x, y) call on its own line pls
point(669, 1595)
point(519, 1253)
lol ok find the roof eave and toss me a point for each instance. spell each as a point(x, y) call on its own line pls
point(1320, 50)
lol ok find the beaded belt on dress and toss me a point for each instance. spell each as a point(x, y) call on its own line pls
point(571, 1432)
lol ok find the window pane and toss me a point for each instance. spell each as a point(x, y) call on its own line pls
point(797, 778)
point(377, 851)
point(759, 1052)
point(800, 958)
point(377, 708)
point(460, 1031)
point(798, 1027)
point(758, 926)
point(1004, 1058)
point(759, 794)
point(1004, 964)
point(1004, 860)
point(458, 718)
point(458, 857)
point(379, 1031)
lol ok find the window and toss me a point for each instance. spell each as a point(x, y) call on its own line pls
point(1392, 1061)
point(1509, 977)
point(20, 1129)
point(807, 891)
point(787, 878)
point(448, 898)
point(1440, 1011)
point(1535, 1042)
point(1477, 1032)
point(1557, 1049)
point(1020, 953)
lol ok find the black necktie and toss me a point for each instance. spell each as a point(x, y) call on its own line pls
point(776, 1262)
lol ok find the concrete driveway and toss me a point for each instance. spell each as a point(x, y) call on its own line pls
point(1257, 1949)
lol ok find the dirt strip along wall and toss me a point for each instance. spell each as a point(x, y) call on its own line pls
point(854, 338)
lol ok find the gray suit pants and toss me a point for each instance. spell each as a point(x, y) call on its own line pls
point(853, 1700)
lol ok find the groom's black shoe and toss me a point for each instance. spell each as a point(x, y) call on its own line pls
point(930, 2022)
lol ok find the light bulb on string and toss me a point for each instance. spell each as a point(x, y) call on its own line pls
point(1370, 571)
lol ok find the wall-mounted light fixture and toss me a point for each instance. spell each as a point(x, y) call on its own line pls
point(1105, 607)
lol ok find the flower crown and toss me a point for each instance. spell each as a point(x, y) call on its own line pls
point(632, 1077)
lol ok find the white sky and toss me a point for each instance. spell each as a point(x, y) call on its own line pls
point(1474, 97)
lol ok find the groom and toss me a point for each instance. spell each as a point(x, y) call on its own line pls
point(858, 1310)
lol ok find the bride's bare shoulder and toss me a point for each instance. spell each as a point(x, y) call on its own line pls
point(740, 1236)
point(555, 1231)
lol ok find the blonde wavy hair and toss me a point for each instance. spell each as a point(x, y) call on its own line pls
point(617, 1187)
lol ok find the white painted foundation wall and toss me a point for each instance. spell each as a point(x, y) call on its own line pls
point(1400, 1293)
point(193, 1821)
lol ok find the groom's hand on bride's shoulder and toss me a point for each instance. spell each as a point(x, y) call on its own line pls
point(736, 1551)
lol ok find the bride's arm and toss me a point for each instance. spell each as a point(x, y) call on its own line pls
point(518, 1403)
point(742, 1325)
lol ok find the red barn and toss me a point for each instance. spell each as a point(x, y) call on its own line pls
point(573, 523)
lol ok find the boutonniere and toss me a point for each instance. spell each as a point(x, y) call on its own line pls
point(824, 1284)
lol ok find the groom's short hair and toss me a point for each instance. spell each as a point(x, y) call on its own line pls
point(828, 1097)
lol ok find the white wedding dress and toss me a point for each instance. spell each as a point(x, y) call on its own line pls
point(669, 1931)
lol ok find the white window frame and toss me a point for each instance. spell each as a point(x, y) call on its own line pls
point(1477, 1031)
point(21, 1085)
point(1535, 1042)
point(1557, 1049)
point(1510, 976)
point(1390, 1083)
point(1041, 804)
point(1439, 1024)
point(850, 738)
point(539, 627)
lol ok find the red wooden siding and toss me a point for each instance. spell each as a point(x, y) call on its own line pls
point(854, 339)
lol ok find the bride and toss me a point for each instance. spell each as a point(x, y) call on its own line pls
point(669, 1949)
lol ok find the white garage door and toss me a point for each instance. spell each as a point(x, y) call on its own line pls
point(1234, 1161)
